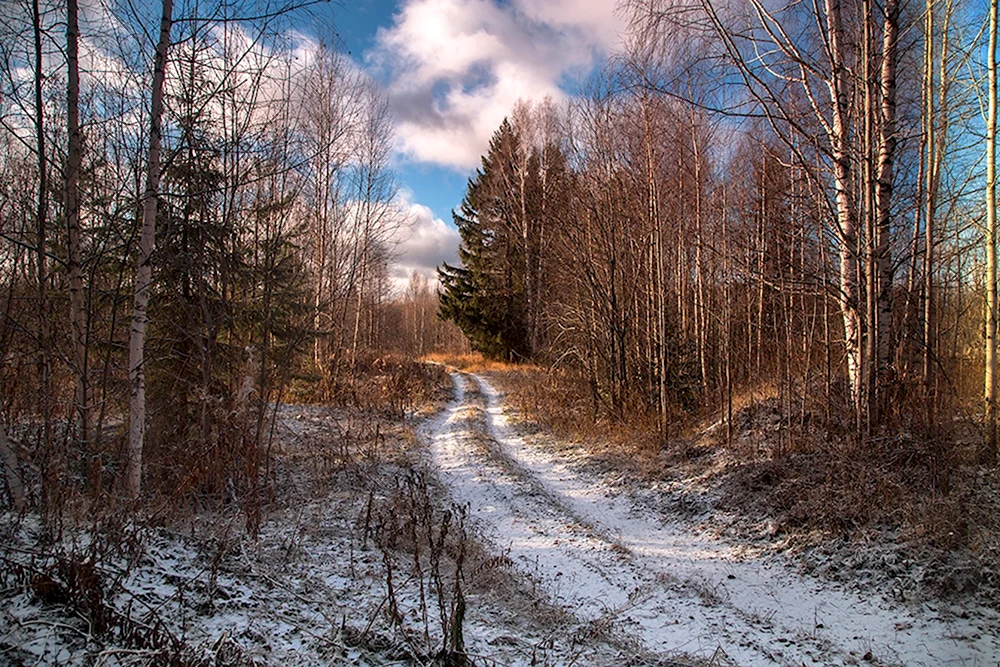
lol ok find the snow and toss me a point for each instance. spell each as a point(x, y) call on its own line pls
point(571, 570)
point(610, 561)
point(308, 592)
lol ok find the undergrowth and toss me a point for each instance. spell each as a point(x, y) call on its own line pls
point(387, 383)
point(76, 576)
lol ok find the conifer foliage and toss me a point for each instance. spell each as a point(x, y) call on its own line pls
point(507, 217)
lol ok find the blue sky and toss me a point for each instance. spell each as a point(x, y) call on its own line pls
point(452, 69)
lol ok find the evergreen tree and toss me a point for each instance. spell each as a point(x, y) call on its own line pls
point(486, 296)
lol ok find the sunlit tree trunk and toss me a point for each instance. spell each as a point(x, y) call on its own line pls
point(928, 184)
point(884, 189)
point(989, 450)
point(846, 223)
point(700, 315)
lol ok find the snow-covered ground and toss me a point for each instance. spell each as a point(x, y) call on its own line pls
point(311, 590)
point(650, 580)
point(562, 566)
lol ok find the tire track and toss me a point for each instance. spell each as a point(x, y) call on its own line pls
point(657, 586)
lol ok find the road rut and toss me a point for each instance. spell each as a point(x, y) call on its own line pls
point(650, 581)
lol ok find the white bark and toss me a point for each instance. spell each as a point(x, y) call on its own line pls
point(143, 275)
point(989, 388)
point(884, 185)
point(846, 223)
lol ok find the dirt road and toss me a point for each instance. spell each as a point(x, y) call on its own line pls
point(652, 582)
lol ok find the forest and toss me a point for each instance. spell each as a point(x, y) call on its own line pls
point(792, 201)
point(176, 248)
point(751, 262)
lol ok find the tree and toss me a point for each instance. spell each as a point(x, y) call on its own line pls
point(144, 267)
point(989, 452)
point(78, 325)
point(487, 298)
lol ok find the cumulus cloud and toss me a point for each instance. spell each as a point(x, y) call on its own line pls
point(456, 67)
point(423, 245)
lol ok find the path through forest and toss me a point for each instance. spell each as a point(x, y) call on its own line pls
point(649, 580)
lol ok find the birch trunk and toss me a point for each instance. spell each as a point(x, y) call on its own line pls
point(846, 225)
point(656, 265)
point(989, 452)
point(866, 213)
point(143, 275)
point(928, 184)
point(884, 188)
point(700, 315)
point(78, 325)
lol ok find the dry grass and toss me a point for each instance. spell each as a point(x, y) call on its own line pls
point(388, 383)
point(472, 363)
point(561, 401)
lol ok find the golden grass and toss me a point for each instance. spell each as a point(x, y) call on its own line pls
point(475, 363)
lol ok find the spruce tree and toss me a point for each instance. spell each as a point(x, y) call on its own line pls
point(486, 296)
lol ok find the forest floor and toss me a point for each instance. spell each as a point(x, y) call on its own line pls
point(355, 563)
point(462, 526)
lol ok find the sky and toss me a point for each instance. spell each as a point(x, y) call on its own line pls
point(452, 70)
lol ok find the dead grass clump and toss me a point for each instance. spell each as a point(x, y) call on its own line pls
point(844, 488)
point(436, 544)
point(388, 383)
point(803, 492)
point(472, 363)
point(78, 587)
point(561, 401)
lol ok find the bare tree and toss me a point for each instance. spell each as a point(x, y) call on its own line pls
point(54, 462)
point(989, 451)
point(78, 326)
point(143, 275)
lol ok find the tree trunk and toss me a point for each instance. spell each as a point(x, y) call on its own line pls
point(656, 266)
point(143, 275)
point(526, 242)
point(78, 325)
point(846, 224)
point(53, 461)
point(884, 189)
point(866, 213)
point(989, 451)
point(700, 315)
point(12, 471)
point(929, 203)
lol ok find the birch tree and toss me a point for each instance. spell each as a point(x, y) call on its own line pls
point(989, 451)
point(143, 274)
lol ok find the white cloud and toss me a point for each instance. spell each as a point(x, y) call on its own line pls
point(423, 245)
point(456, 67)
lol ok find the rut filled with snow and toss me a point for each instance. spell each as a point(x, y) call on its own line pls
point(650, 580)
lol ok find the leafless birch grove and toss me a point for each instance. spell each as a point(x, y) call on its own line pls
point(758, 201)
